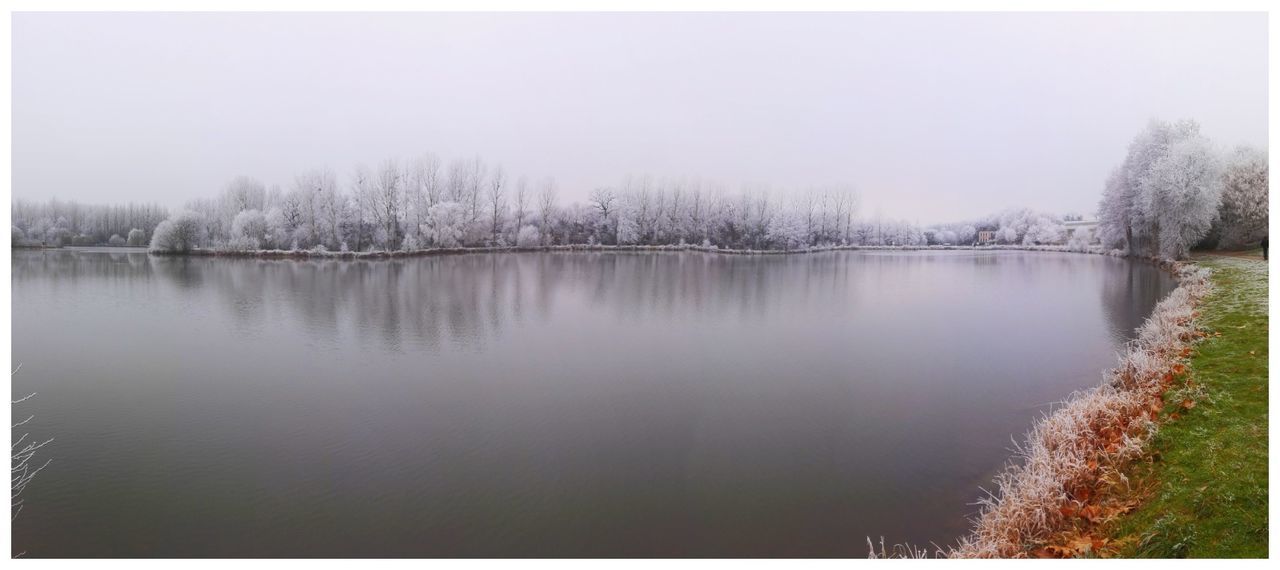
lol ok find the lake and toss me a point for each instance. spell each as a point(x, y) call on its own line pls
point(543, 404)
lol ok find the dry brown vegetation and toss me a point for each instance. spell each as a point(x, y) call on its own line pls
point(1067, 476)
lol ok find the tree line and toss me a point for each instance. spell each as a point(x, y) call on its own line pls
point(57, 223)
point(425, 203)
point(1173, 191)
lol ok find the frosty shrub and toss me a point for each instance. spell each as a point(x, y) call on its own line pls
point(410, 243)
point(116, 241)
point(528, 236)
point(248, 230)
point(179, 234)
point(137, 238)
point(446, 224)
point(277, 230)
point(787, 232)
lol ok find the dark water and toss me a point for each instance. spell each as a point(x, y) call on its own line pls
point(567, 404)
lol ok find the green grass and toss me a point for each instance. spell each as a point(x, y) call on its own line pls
point(1208, 478)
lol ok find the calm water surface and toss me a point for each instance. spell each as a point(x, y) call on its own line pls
point(548, 404)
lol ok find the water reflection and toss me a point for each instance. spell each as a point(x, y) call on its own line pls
point(567, 404)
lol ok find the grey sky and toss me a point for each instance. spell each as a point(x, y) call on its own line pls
point(931, 116)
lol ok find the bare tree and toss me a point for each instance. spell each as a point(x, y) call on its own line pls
point(456, 186)
point(547, 207)
point(475, 179)
point(430, 167)
point(497, 202)
point(387, 200)
point(522, 201)
point(602, 199)
point(363, 191)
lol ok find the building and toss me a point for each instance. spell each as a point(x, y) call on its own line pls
point(1087, 229)
point(986, 237)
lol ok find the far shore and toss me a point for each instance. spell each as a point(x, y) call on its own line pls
point(325, 254)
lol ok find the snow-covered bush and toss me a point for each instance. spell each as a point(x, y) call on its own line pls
point(1045, 230)
point(179, 234)
point(446, 224)
point(137, 238)
point(19, 236)
point(410, 243)
point(277, 233)
point(787, 231)
point(248, 230)
point(528, 236)
point(116, 241)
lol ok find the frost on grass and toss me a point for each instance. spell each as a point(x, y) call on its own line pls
point(1085, 444)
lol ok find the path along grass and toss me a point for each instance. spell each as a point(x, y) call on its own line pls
point(1204, 492)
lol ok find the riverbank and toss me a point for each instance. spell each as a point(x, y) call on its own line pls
point(321, 253)
point(1202, 491)
point(1066, 476)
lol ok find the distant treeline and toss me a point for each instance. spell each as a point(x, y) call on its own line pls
point(57, 223)
point(423, 203)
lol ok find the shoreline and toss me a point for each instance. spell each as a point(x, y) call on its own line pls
point(1066, 464)
point(429, 252)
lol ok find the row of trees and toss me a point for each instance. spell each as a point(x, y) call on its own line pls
point(1172, 191)
point(58, 223)
point(423, 203)
point(1176, 190)
point(1017, 226)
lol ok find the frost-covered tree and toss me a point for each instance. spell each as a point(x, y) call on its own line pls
point(1164, 196)
point(137, 238)
point(788, 231)
point(180, 233)
point(446, 224)
point(604, 200)
point(116, 240)
point(1044, 230)
point(1007, 235)
point(1243, 217)
point(1181, 193)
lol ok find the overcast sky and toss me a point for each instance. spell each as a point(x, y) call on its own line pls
point(931, 117)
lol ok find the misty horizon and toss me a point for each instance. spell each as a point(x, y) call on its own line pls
point(929, 117)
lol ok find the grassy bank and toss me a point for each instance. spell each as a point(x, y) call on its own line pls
point(1204, 491)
